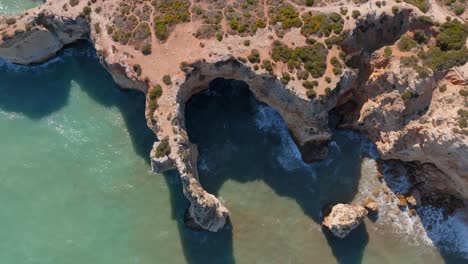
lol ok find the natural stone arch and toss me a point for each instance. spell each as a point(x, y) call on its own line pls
point(306, 119)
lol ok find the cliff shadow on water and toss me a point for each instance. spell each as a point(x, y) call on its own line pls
point(47, 90)
point(242, 140)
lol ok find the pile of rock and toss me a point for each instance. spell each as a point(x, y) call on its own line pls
point(344, 218)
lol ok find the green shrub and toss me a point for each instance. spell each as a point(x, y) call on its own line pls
point(328, 79)
point(337, 71)
point(311, 93)
point(219, 36)
point(98, 9)
point(146, 49)
point(335, 62)
point(406, 44)
point(328, 91)
point(443, 88)
point(395, 9)
point(86, 11)
point(266, 64)
point(155, 93)
point(406, 95)
point(254, 56)
point(10, 21)
point(309, 2)
point(97, 28)
point(74, 2)
point(439, 60)
point(343, 11)
point(463, 123)
point(163, 149)
point(167, 79)
point(420, 37)
point(285, 14)
point(422, 5)
point(452, 35)
point(321, 24)
point(308, 84)
point(378, 4)
point(458, 9)
point(312, 58)
point(464, 92)
point(161, 31)
point(246, 42)
point(137, 69)
point(355, 14)
point(388, 52)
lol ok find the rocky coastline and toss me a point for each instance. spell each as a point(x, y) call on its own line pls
point(417, 131)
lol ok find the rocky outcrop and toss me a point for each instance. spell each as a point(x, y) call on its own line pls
point(344, 218)
point(414, 129)
point(50, 34)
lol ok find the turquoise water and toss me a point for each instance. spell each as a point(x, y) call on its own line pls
point(15, 6)
point(76, 186)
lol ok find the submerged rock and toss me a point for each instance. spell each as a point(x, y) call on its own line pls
point(344, 218)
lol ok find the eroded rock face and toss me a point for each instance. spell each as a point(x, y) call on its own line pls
point(416, 129)
point(344, 218)
point(51, 34)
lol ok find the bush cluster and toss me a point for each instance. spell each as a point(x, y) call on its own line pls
point(321, 24)
point(163, 149)
point(311, 58)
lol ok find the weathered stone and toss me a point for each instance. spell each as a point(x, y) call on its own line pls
point(411, 200)
point(371, 204)
point(344, 218)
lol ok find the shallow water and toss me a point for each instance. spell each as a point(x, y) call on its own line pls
point(16, 6)
point(76, 186)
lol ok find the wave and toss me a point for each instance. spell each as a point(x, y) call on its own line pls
point(268, 120)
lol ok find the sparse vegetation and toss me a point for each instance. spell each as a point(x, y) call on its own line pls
point(74, 2)
point(146, 49)
point(355, 14)
point(420, 37)
point(452, 35)
point(163, 149)
point(10, 21)
point(406, 95)
point(153, 96)
point(167, 79)
point(388, 52)
point(170, 13)
point(285, 14)
point(442, 88)
point(422, 5)
point(406, 44)
point(254, 56)
point(321, 24)
point(311, 93)
point(311, 58)
point(137, 69)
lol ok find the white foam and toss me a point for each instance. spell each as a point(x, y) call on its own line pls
point(268, 120)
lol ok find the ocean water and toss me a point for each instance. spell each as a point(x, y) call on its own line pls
point(15, 6)
point(76, 185)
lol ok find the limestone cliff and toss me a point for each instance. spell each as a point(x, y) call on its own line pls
point(172, 49)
